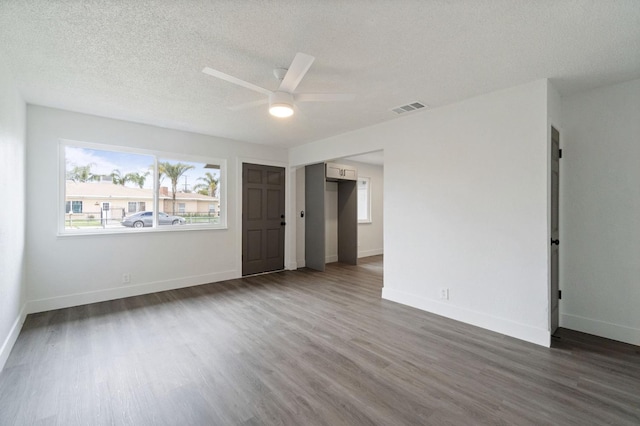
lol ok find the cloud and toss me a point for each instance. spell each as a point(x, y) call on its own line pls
point(100, 165)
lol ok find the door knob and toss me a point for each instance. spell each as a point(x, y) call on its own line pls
point(283, 223)
point(556, 242)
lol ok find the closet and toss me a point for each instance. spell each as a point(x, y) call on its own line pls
point(316, 177)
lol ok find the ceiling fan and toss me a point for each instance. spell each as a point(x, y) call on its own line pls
point(282, 100)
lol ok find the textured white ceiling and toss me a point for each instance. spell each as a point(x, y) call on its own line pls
point(142, 60)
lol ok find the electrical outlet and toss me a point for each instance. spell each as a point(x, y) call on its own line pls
point(444, 293)
point(126, 278)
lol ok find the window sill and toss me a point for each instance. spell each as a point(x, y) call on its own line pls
point(134, 231)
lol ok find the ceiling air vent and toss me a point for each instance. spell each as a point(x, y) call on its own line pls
point(408, 107)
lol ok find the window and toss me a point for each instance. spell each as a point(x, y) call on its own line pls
point(73, 207)
point(108, 189)
point(364, 200)
point(187, 188)
point(133, 206)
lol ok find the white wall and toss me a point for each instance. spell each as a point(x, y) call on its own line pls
point(465, 207)
point(12, 223)
point(69, 270)
point(600, 212)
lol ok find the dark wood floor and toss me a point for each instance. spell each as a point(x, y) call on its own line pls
point(303, 348)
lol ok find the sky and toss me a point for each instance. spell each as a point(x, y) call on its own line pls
point(105, 162)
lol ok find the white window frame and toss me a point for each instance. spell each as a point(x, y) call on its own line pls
point(222, 189)
point(368, 206)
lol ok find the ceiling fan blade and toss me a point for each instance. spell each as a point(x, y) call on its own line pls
point(234, 80)
point(249, 105)
point(323, 97)
point(298, 68)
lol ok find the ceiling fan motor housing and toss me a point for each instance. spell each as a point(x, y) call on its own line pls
point(279, 73)
point(281, 104)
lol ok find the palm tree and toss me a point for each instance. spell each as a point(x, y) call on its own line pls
point(117, 178)
point(209, 185)
point(137, 178)
point(134, 177)
point(173, 172)
point(82, 174)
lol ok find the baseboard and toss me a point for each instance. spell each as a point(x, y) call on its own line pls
point(500, 325)
point(367, 253)
point(77, 299)
point(331, 259)
point(10, 340)
point(604, 329)
point(301, 263)
point(291, 266)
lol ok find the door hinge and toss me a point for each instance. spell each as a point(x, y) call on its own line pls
point(560, 153)
point(559, 294)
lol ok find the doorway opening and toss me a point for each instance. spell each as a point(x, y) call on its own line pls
point(370, 226)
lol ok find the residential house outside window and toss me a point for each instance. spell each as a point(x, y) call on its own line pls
point(105, 187)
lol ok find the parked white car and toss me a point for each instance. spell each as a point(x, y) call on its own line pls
point(145, 219)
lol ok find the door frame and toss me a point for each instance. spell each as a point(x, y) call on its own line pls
point(289, 230)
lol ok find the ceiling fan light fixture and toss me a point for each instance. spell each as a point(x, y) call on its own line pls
point(281, 104)
point(281, 110)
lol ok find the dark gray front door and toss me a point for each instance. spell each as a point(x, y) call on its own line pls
point(555, 231)
point(263, 219)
